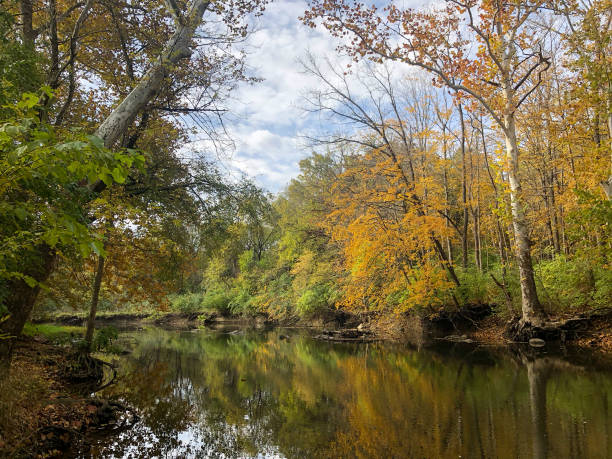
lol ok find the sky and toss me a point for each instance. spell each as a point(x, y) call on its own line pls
point(266, 121)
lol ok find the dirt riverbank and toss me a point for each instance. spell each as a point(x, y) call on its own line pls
point(44, 409)
point(475, 324)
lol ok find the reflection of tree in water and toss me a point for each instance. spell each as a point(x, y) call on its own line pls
point(542, 370)
point(429, 406)
point(203, 394)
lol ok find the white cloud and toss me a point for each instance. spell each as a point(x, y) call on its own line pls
point(267, 114)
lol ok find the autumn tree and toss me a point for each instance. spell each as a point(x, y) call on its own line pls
point(485, 50)
point(390, 194)
point(588, 35)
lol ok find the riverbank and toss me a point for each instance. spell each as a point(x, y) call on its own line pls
point(477, 324)
point(45, 409)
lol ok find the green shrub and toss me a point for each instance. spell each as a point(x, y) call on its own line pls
point(316, 299)
point(475, 287)
point(189, 302)
point(242, 302)
point(573, 285)
point(103, 339)
point(213, 301)
point(216, 301)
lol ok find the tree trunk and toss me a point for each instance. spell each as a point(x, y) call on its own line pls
point(449, 247)
point(500, 231)
point(532, 310)
point(22, 298)
point(476, 234)
point(464, 236)
point(91, 320)
point(20, 302)
point(27, 30)
point(177, 49)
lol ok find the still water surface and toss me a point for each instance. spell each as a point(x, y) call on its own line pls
point(255, 394)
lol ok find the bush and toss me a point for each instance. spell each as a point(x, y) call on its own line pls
point(217, 301)
point(213, 301)
point(315, 300)
point(573, 285)
point(475, 287)
point(243, 302)
point(103, 339)
point(189, 302)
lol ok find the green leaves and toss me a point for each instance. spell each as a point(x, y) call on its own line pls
point(45, 185)
point(28, 101)
point(119, 175)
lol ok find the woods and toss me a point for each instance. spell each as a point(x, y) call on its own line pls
point(466, 162)
point(486, 185)
point(454, 184)
point(133, 85)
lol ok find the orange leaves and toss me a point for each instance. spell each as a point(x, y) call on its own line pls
point(386, 224)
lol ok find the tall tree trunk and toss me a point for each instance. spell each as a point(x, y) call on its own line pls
point(532, 310)
point(498, 223)
point(449, 247)
point(22, 298)
point(464, 236)
point(476, 234)
point(27, 30)
point(91, 320)
point(176, 49)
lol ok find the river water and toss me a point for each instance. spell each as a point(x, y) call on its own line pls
point(258, 394)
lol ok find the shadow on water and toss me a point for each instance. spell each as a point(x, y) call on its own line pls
point(266, 394)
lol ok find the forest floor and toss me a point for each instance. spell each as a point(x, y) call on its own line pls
point(43, 412)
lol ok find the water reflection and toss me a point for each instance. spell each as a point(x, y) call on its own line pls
point(206, 394)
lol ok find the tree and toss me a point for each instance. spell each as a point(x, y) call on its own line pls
point(179, 47)
point(499, 75)
point(404, 143)
point(589, 36)
point(43, 182)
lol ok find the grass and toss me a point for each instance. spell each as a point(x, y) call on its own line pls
point(54, 333)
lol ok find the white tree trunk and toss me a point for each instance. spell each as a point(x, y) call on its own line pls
point(177, 48)
point(532, 310)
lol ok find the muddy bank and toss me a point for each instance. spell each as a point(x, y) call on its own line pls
point(45, 409)
point(168, 320)
point(114, 319)
point(476, 324)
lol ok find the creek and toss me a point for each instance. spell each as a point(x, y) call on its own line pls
point(281, 393)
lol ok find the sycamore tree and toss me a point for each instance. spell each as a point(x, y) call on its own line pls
point(484, 50)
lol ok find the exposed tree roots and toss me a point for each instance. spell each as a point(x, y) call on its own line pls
point(548, 330)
